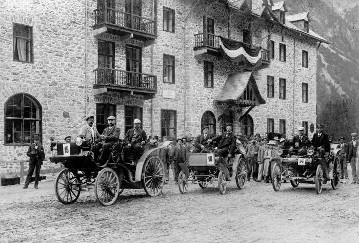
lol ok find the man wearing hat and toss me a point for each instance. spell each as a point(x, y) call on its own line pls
point(109, 137)
point(226, 146)
point(37, 155)
point(342, 146)
point(135, 139)
point(68, 139)
point(202, 143)
point(89, 132)
point(351, 154)
point(321, 143)
point(301, 140)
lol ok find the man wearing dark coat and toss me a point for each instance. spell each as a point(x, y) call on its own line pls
point(202, 142)
point(321, 143)
point(351, 156)
point(300, 140)
point(37, 155)
point(110, 136)
point(135, 139)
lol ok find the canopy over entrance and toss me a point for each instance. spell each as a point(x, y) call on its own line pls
point(242, 89)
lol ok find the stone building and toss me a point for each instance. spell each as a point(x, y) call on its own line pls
point(175, 64)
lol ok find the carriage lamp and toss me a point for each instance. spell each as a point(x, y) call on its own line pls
point(52, 143)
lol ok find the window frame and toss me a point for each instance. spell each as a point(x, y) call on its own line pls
point(107, 113)
point(207, 115)
point(270, 125)
point(167, 12)
point(272, 49)
point(282, 16)
point(306, 127)
point(282, 52)
point(305, 92)
point(282, 126)
point(208, 67)
point(163, 111)
point(270, 94)
point(38, 109)
point(166, 66)
point(30, 39)
point(282, 89)
point(305, 59)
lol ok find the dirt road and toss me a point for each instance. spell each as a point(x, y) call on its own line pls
point(253, 214)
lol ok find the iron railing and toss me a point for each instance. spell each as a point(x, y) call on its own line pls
point(125, 20)
point(125, 79)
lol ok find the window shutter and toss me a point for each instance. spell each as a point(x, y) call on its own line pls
point(173, 20)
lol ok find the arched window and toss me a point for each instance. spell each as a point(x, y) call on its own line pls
point(247, 125)
point(22, 119)
point(208, 119)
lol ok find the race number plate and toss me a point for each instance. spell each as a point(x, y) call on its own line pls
point(210, 159)
point(66, 148)
point(301, 161)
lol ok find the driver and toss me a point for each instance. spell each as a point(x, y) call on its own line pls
point(226, 145)
point(109, 137)
point(89, 132)
point(202, 140)
point(300, 141)
point(135, 139)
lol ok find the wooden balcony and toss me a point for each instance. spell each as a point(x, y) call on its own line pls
point(210, 44)
point(125, 81)
point(124, 24)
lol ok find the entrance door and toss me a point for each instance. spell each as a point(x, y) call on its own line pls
point(208, 30)
point(132, 113)
point(106, 62)
point(133, 65)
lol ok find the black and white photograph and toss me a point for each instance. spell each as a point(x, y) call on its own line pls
point(179, 121)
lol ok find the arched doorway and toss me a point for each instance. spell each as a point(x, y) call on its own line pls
point(208, 119)
point(226, 118)
point(247, 125)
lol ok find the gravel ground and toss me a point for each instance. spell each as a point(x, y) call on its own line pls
point(253, 214)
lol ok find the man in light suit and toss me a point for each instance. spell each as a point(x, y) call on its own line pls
point(351, 154)
point(89, 132)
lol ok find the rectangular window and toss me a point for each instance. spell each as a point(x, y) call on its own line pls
point(282, 89)
point(282, 126)
point(305, 92)
point(168, 69)
point(132, 113)
point(169, 123)
point(304, 59)
point(102, 112)
point(208, 74)
point(271, 49)
point(133, 66)
point(270, 125)
point(305, 125)
point(270, 86)
point(282, 17)
point(23, 43)
point(168, 19)
point(282, 52)
point(106, 62)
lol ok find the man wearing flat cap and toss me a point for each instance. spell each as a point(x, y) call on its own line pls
point(68, 139)
point(300, 141)
point(89, 132)
point(135, 139)
point(202, 143)
point(352, 156)
point(109, 137)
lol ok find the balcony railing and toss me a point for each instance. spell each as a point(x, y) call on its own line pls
point(124, 20)
point(126, 79)
point(212, 41)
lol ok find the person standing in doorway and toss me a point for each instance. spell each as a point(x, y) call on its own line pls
point(37, 155)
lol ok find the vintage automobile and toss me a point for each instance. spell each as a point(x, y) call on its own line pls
point(305, 166)
point(203, 168)
point(120, 173)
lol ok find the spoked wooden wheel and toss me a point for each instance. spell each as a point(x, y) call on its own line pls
point(182, 182)
point(153, 176)
point(240, 180)
point(294, 183)
point(276, 177)
point(67, 187)
point(222, 183)
point(203, 184)
point(336, 175)
point(107, 186)
point(319, 179)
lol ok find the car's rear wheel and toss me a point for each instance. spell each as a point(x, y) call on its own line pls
point(319, 179)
